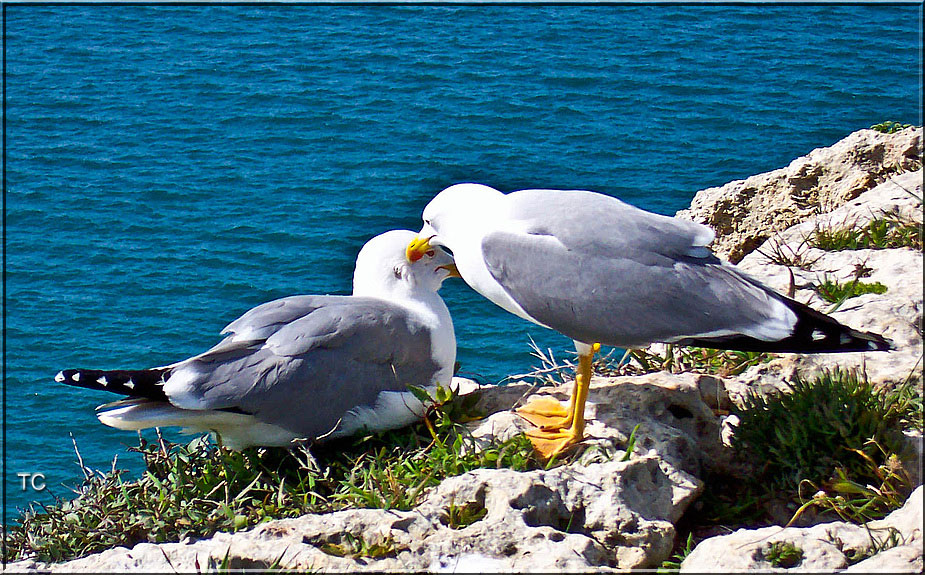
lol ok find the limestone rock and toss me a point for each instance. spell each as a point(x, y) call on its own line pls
point(674, 413)
point(895, 314)
point(893, 545)
point(745, 213)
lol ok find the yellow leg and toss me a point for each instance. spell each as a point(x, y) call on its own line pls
point(552, 442)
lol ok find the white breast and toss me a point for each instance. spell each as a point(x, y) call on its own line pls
point(470, 262)
point(428, 307)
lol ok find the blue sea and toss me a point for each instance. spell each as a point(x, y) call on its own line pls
point(169, 167)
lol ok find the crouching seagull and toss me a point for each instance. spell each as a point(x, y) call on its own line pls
point(307, 367)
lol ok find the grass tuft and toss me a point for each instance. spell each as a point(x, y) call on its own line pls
point(681, 359)
point(783, 554)
point(890, 127)
point(462, 516)
point(356, 547)
point(891, 230)
point(779, 253)
point(195, 490)
point(830, 444)
point(674, 563)
point(821, 425)
point(835, 292)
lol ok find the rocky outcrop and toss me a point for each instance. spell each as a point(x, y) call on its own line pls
point(896, 314)
point(891, 545)
point(745, 213)
point(611, 510)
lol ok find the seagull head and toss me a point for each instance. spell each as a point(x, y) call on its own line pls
point(383, 268)
point(451, 213)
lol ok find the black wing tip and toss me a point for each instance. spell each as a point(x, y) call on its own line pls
point(877, 342)
point(72, 377)
point(817, 332)
point(147, 383)
point(811, 335)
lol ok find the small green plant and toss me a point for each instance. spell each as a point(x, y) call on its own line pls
point(681, 359)
point(674, 564)
point(837, 420)
point(835, 292)
point(460, 516)
point(892, 538)
point(891, 230)
point(890, 127)
point(631, 443)
point(857, 502)
point(783, 554)
point(355, 546)
point(674, 359)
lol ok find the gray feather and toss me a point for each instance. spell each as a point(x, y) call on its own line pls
point(310, 371)
point(624, 277)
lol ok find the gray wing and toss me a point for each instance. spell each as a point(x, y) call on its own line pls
point(599, 270)
point(265, 319)
point(597, 224)
point(315, 368)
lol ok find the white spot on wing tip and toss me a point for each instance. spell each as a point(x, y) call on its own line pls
point(76, 376)
point(59, 377)
point(129, 384)
point(818, 335)
point(102, 381)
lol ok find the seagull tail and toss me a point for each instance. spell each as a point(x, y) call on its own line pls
point(142, 413)
point(813, 332)
point(147, 383)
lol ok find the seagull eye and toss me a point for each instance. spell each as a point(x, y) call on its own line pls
point(431, 253)
point(427, 222)
point(397, 272)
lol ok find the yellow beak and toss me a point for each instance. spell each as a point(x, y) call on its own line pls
point(417, 248)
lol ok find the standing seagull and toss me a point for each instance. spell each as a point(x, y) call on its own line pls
point(305, 367)
point(603, 272)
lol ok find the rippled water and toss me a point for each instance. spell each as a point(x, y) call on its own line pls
point(170, 167)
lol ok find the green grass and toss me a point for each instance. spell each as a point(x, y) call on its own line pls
point(890, 127)
point(888, 231)
point(827, 449)
point(356, 546)
point(822, 424)
point(462, 516)
point(892, 538)
point(783, 554)
point(674, 359)
point(674, 564)
point(830, 443)
point(835, 292)
point(680, 359)
point(197, 489)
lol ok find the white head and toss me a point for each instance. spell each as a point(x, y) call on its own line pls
point(383, 270)
point(457, 208)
